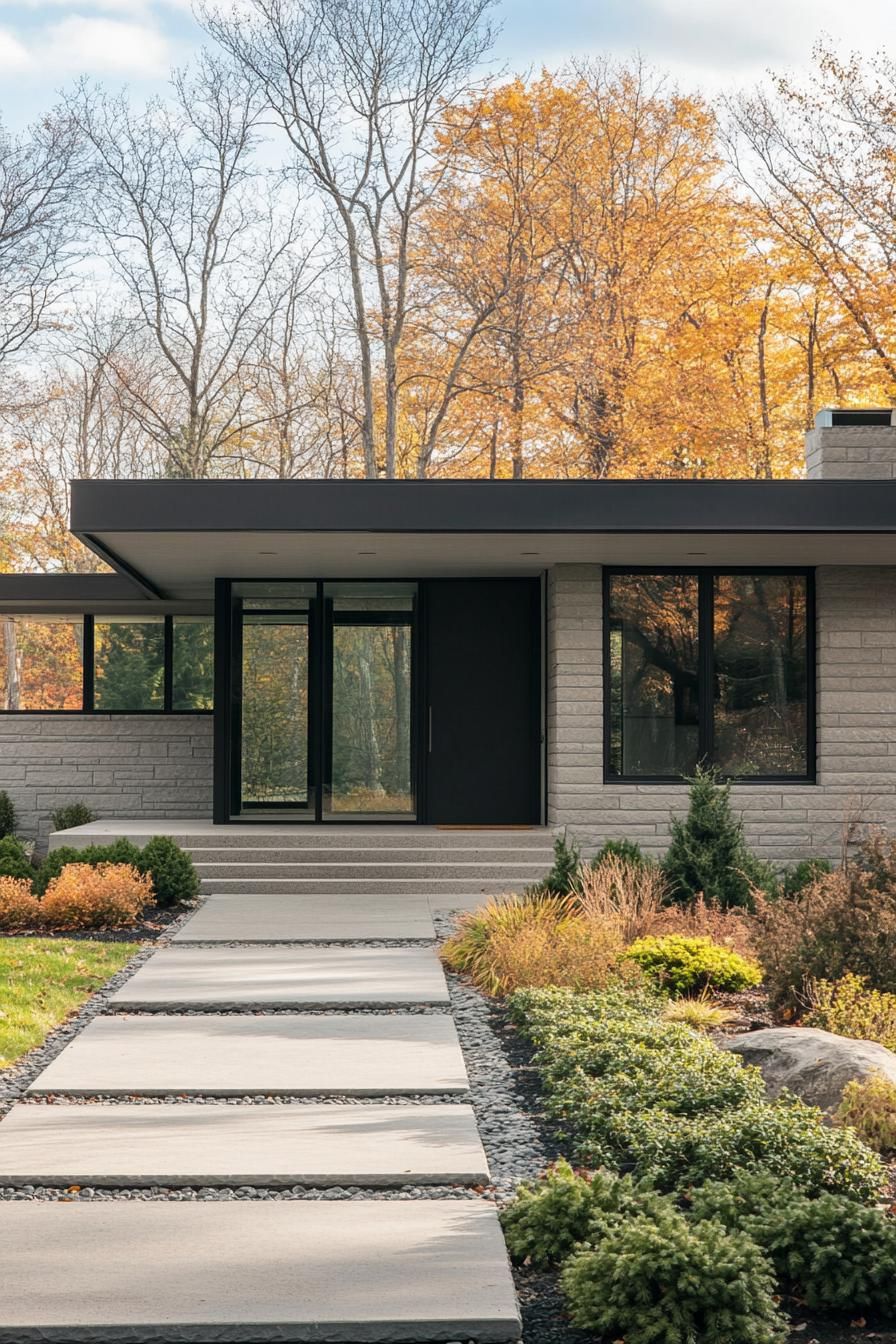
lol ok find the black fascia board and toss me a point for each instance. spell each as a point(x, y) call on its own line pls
point(549, 506)
point(74, 589)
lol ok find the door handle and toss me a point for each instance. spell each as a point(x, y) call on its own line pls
point(429, 748)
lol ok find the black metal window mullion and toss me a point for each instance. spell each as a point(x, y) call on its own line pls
point(168, 666)
point(705, 667)
point(88, 681)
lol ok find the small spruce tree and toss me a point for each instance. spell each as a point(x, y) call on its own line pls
point(708, 855)
point(7, 815)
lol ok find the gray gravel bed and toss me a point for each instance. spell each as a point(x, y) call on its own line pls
point(306, 1010)
point(511, 1138)
point(157, 1194)
point(253, 1099)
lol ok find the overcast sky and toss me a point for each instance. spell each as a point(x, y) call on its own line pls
point(709, 43)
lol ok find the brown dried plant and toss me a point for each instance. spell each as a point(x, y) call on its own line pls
point(620, 895)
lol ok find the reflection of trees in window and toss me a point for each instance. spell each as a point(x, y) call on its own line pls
point(760, 674)
point(653, 674)
point(371, 764)
point(129, 663)
point(41, 662)
point(275, 710)
point(755, 714)
point(193, 662)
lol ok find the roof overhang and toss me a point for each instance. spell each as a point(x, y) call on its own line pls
point(173, 538)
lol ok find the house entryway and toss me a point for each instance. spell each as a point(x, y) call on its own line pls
point(378, 701)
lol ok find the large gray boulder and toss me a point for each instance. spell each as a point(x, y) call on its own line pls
point(815, 1065)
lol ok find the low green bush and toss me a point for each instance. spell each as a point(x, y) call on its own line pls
point(657, 1098)
point(835, 1253)
point(14, 861)
point(665, 1280)
point(802, 875)
point(549, 1218)
point(174, 877)
point(73, 814)
point(7, 815)
point(626, 850)
point(683, 965)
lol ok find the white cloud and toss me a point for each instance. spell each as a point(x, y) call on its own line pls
point(13, 56)
point(82, 44)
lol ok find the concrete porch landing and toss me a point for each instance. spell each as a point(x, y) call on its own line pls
point(449, 868)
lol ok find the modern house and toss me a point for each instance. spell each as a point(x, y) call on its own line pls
point(469, 653)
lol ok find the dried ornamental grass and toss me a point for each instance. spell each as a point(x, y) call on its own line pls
point(701, 1013)
point(732, 928)
point(621, 894)
point(19, 907)
point(110, 895)
point(574, 953)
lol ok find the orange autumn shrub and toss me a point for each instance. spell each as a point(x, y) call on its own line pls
point(19, 907)
point(732, 928)
point(109, 895)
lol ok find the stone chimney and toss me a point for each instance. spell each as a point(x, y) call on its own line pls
point(852, 446)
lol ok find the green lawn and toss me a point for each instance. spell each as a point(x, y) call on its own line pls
point(42, 980)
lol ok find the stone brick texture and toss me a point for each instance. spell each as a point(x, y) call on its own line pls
point(856, 679)
point(120, 765)
point(852, 453)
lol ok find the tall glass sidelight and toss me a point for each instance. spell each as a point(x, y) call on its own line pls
point(273, 635)
point(370, 680)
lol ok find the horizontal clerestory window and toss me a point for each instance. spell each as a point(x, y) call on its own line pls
point(106, 664)
point(711, 667)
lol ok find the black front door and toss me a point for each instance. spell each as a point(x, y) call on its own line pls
point(482, 703)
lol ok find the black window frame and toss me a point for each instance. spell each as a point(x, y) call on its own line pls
point(706, 576)
point(88, 666)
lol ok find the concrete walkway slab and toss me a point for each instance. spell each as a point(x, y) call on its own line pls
point(218, 1144)
point(352, 1054)
point(303, 977)
point(373, 1272)
point(284, 917)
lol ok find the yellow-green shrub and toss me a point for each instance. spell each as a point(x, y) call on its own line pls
point(683, 965)
point(110, 895)
point(19, 907)
point(870, 1108)
point(849, 1008)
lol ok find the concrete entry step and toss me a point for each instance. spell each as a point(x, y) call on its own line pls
point(364, 853)
point(107, 1145)
point(511, 875)
point(325, 887)
point(289, 1055)
point(285, 917)
point(400, 1272)
point(267, 977)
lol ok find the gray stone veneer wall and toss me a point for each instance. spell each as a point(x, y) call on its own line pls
point(121, 765)
point(856, 611)
point(852, 453)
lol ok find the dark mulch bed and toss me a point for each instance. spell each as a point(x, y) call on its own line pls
point(153, 923)
point(543, 1311)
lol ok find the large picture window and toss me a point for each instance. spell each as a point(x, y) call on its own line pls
point(709, 667)
point(106, 664)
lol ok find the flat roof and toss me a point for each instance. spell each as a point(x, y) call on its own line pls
point(172, 538)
